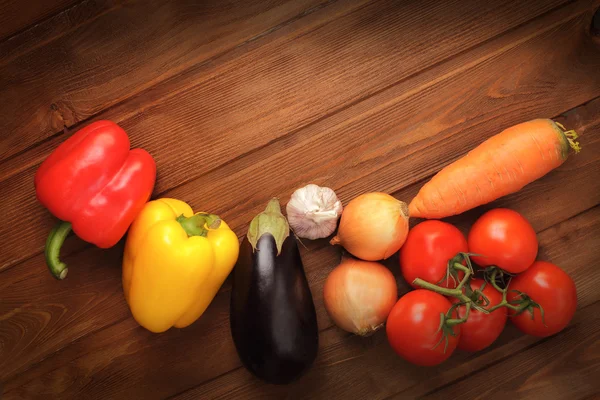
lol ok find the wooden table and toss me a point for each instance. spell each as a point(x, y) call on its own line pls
point(239, 101)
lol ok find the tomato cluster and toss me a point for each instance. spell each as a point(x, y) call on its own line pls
point(451, 308)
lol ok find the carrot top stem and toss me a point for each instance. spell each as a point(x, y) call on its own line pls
point(571, 135)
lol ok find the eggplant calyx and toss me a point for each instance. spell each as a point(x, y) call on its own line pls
point(269, 221)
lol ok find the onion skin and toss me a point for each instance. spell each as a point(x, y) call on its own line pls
point(373, 226)
point(359, 295)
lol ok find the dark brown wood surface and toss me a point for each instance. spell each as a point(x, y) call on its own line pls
point(239, 101)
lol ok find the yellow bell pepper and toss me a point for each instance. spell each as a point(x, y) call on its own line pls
point(175, 261)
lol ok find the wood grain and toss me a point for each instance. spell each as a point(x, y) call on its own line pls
point(35, 266)
point(53, 27)
point(16, 16)
point(368, 369)
point(104, 60)
point(358, 95)
point(412, 109)
point(101, 56)
point(566, 367)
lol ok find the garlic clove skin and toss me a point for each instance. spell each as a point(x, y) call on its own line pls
point(313, 212)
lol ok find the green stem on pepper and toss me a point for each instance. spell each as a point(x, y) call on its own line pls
point(199, 224)
point(55, 240)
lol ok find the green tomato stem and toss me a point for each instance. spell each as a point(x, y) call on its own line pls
point(525, 303)
point(493, 281)
point(468, 272)
point(456, 321)
point(438, 289)
point(456, 293)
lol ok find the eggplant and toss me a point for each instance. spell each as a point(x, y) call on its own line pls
point(272, 315)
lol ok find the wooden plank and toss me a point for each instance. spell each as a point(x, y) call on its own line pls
point(363, 374)
point(16, 16)
point(258, 102)
point(402, 125)
point(469, 20)
point(35, 316)
point(172, 87)
point(508, 15)
point(91, 267)
point(267, 134)
point(85, 309)
point(565, 367)
point(52, 28)
point(91, 309)
point(353, 367)
point(105, 60)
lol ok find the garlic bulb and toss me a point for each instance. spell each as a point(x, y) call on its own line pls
point(313, 212)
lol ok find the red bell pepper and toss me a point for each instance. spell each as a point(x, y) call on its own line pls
point(95, 185)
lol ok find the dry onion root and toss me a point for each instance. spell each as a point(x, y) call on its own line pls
point(373, 226)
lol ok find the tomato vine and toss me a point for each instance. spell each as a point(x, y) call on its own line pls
point(475, 299)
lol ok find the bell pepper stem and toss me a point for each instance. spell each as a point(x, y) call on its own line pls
point(55, 240)
point(199, 224)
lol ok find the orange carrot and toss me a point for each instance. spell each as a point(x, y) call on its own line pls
point(501, 165)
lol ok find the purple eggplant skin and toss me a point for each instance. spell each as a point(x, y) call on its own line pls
point(272, 314)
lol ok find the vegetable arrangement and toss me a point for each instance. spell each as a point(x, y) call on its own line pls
point(451, 307)
point(465, 288)
point(541, 299)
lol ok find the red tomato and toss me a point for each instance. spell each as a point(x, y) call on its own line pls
point(412, 328)
point(553, 290)
point(481, 330)
point(505, 239)
point(426, 252)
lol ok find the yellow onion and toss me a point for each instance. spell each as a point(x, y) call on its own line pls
point(359, 295)
point(373, 226)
